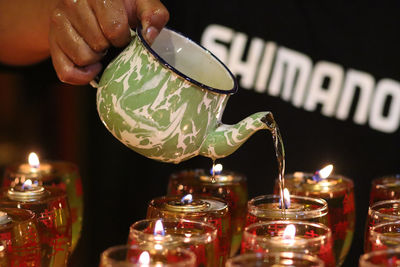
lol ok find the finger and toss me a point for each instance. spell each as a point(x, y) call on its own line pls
point(113, 20)
point(70, 42)
point(84, 21)
point(66, 70)
point(153, 16)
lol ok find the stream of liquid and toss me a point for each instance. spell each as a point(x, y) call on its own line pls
point(280, 155)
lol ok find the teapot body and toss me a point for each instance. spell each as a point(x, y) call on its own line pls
point(152, 110)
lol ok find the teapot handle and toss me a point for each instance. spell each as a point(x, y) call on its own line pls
point(95, 82)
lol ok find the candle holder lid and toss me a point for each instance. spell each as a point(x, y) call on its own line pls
point(195, 205)
point(26, 195)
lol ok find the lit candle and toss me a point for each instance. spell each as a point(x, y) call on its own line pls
point(338, 191)
point(217, 182)
point(197, 208)
point(34, 167)
point(198, 237)
point(61, 174)
point(51, 208)
point(289, 236)
point(269, 208)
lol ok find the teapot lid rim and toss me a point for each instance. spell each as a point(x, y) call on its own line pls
point(202, 85)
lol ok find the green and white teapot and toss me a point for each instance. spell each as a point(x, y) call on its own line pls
point(166, 101)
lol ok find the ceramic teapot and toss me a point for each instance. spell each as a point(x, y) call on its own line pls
point(165, 101)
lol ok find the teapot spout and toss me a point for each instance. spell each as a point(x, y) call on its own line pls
point(226, 139)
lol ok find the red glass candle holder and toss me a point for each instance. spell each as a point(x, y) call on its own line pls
point(227, 185)
point(385, 188)
point(269, 208)
point(51, 208)
point(338, 191)
point(198, 237)
point(383, 236)
point(19, 238)
point(61, 174)
point(309, 238)
point(136, 256)
point(281, 259)
point(204, 209)
point(387, 258)
point(381, 212)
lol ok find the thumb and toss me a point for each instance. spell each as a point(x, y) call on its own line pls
point(151, 14)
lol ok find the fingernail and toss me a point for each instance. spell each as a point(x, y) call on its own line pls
point(151, 34)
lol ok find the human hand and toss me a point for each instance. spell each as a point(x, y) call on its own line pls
point(81, 31)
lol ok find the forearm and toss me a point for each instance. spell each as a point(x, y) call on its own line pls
point(24, 27)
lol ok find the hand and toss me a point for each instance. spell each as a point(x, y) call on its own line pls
point(81, 31)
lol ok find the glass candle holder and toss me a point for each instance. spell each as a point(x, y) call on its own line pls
point(276, 259)
point(200, 238)
point(268, 208)
point(50, 206)
point(204, 209)
point(381, 258)
point(383, 236)
point(302, 237)
point(136, 256)
point(227, 185)
point(19, 238)
point(385, 188)
point(61, 174)
point(338, 191)
point(381, 212)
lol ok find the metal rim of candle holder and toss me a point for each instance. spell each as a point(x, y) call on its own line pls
point(347, 184)
point(381, 181)
point(364, 260)
point(247, 258)
point(376, 235)
point(204, 238)
point(195, 205)
point(107, 260)
point(304, 214)
point(373, 213)
point(226, 177)
point(327, 237)
point(217, 205)
point(28, 196)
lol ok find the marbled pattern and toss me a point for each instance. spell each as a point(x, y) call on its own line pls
point(163, 116)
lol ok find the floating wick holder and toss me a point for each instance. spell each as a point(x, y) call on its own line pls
point(31, 194)
point(183, 206)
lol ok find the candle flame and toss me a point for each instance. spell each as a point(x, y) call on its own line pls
point(326, 171)
point(27, 184)
point(286, 198)
point(159, 228)
point(144, 258)
point(216, 169)
point(289, 233)
point(187, 199)
point(33, 160)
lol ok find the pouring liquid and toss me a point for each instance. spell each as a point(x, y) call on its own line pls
point(280, 156)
